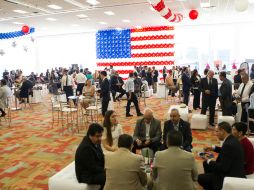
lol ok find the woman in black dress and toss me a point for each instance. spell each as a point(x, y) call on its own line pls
point(195, 80)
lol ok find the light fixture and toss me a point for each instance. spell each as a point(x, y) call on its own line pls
point(19, 23)
point(82, 16)
point(126, 20)
point(54, 7)
point(110, 13)
point(51, 19)
point(103, 23)
point(92, 2)
point(251, 1)
point(20, 11)
point(75, 25)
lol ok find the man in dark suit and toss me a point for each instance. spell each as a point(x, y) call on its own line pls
point(225, 95)
point(89, 158)
point(117, 86)
point(229, 163)
point(155, 79)
point(147, 132)
point(105, 92)
point(186, 85)
point(176, 123)
point(209, 89)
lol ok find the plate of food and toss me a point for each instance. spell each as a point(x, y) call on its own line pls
point(206, 155)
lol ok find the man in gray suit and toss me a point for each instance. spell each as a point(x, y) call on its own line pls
point(5, 92)
point(125, 170)
point(174, 168)
point(225, 94)
point(147, 132)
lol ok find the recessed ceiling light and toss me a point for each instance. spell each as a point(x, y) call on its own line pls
point(82, 16)
point(75, 25)
point(139, 27)
point(109, 13)
point(126, 20)
point(93, 2)
point(104, 23)
point(20, 11)
point(51, 19)
point(19, 23)
point(54, 7)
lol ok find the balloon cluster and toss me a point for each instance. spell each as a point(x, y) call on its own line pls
point(154, 28)
point(25, 30)
point(241, 5)
point(113, 44)
point(162, 54)
point(136, 63)
point(124, 71)
point(152, 46)
point(153, 37)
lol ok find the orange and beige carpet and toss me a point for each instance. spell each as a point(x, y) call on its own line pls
point(31, 150)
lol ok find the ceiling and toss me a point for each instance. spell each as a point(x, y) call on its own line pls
point(138, 13)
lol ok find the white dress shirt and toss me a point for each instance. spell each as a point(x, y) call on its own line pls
point(81, 78)
point(69, 82)
point(147, 130)
point(246, 92)
point(129, 85)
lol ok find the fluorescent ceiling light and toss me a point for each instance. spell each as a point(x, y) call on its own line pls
point(75, 25)
point(103, 23)
point(109, 13)
point(54, 7)
point(51, 19)
point(126, 20)
point(139, 27)
point(19, 23)
point(93, 2)
point(20, 11)
point(82, 16)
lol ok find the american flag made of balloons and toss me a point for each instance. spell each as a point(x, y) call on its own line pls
point(124, 49)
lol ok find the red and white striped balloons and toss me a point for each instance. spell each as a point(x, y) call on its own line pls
point(165, 12)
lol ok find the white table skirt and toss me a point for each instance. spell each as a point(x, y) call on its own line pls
point(161, 91)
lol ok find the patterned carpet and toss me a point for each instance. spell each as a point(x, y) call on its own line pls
point(31, 150)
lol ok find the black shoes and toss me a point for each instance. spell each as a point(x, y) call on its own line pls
point(129, 115)
point(212, 124)
point(140, 114)
point(3, 114)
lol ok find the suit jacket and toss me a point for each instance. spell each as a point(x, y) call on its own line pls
point(89, 161)
point(186, 83)
point(124, 171)
point(25, 88)
point(212, 87)
point(226, 92)
point(155, 77)
point(175, 169)
point(229, 163)
point(5, 92)
point(195, 82)
point(154, 133)
point(105, 90)
point(184, 128)
point(113, 82)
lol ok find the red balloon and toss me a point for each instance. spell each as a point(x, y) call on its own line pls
point(25, 29)
point(193, 14)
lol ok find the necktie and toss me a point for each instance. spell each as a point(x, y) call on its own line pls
point(66, 80)
point(210, 81)
point(242, 90)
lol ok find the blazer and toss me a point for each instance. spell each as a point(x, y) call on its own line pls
point(186, 83)
point(226, 92)
point(155, 77)
point(195, 82)
point(175, 169)
point(105, 90)
point(229, 163)
point(5, 92)
point(113, 82)
point(24, 89)
point(213, 88)
point(89, 161)
point(154, 133)
point(124, 171)
point(184, 128)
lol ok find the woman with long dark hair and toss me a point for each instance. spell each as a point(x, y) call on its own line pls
point(195, 80)
point(112, 132)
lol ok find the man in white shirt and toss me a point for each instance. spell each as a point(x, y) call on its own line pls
point(131, 96)
point(81, 80)
point(5, 92)
point(244, 92)
point(66, 84)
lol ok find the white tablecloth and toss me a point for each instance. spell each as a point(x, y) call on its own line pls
point(161, 91)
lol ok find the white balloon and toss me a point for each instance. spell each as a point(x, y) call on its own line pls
point(241, 5)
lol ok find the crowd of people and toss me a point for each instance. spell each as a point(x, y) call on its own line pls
point(173, 163)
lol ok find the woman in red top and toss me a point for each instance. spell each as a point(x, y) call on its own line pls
point(239, 131)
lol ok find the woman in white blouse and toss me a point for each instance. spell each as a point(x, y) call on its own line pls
point(112, 132)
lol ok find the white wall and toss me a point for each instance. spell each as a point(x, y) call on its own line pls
point(200, 44)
